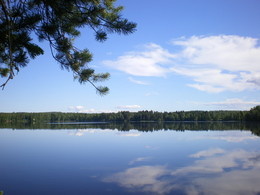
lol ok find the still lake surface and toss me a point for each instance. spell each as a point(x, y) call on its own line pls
point(143, 158)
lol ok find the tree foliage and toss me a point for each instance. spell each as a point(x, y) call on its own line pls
point(125, 116)
point(58, 22)
point(253, 114)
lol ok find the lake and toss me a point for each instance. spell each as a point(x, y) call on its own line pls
point(135, 158)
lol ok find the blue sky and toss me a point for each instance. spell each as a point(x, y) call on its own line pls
point(185, 55)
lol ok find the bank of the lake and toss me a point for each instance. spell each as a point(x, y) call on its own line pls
point(125, 116)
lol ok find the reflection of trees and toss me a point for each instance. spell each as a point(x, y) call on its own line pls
point(254, 128)
point(145, 126)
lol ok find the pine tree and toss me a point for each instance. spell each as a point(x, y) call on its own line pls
point(58, 22)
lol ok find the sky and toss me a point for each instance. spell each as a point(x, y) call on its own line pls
point(185, 55)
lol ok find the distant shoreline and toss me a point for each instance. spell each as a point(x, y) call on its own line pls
point(126, 116)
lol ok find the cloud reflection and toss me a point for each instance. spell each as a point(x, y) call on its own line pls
point(207, 153)
point(218, 163)
point(213, 171)
point(235, 138)
point(129, 134)
point(140, 159)
point(231, 136)
point(82, 132)
point(143, 178)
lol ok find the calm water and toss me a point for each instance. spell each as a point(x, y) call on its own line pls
point(101, 160)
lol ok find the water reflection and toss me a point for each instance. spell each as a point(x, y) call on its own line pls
point(139, 159)
point(230, 136)
point(172, 158)
point(145, 126)
point(82, 132)
point(144, 178)
point(213, 171)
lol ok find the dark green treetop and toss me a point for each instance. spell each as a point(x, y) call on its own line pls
point(58, 22)
point(253, 114)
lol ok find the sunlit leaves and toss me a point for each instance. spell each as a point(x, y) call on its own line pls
point(85, 75)
point(4, 72)
point(102, 90)
point(101, 77)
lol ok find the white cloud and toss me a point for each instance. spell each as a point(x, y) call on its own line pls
point(233, 104)
point(220, 63)
point(150, 62)
point(137, 81)
point(214, 63)
point(129, 107)
point(83, 109)
point(229, 52)
point(79, 109)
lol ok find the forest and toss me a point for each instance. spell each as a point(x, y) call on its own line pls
point(126, 116)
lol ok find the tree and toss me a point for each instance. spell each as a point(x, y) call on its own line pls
point(58, 22)
point(253, 114)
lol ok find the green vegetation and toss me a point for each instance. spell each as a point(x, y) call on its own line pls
point(58, 117)
point(253, 114)
point(59, 23)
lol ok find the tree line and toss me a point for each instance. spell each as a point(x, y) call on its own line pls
point(126, 116)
